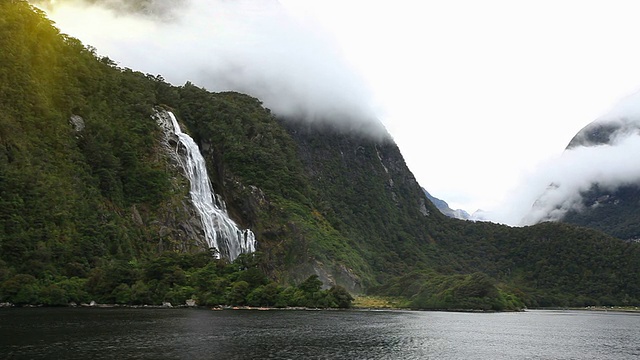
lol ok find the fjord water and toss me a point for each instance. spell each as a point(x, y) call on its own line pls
point(88, 333)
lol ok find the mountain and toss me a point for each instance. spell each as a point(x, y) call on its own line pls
point(605, 132)
point(445, 209)
point(96, 202)
point(608, 195)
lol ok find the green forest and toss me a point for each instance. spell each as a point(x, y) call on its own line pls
point(93, 209)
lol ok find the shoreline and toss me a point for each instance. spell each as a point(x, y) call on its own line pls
point(93, 305)
point(625, 309)
point(239, 308)
point(165, 306)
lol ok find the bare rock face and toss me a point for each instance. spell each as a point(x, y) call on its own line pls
point(180, 228)
point(77, 122)
point(330, 276)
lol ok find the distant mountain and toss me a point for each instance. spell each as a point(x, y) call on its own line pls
point(606, 194)
point(614, 210)
point(445, 209)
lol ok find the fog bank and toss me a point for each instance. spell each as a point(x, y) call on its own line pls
point(254, 47)
point(604, 153)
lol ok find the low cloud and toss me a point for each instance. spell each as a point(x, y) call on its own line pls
point(255, 47)
point(607, 166)
point(604, 153)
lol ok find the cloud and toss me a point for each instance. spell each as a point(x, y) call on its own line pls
point(604, 153)
point(149, 8)
point(255, 47)
point(608, 166)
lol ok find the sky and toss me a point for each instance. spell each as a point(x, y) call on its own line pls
point(481, 97)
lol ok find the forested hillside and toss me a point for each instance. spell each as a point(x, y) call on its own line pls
point(93, 208)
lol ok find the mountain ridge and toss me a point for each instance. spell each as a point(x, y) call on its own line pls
point(104, 212)
point(445, 209)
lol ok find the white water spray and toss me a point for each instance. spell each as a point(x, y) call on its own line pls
point(220, 231)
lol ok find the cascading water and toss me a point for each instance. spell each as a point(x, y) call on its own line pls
point(220, 231)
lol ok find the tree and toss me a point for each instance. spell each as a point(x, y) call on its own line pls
point(311, 285)
point(238, 293)
point(340, 296)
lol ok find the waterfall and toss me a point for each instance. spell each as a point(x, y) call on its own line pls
point(220, 231)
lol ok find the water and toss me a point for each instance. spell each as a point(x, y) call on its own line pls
point(219, 230)
point(87, 333)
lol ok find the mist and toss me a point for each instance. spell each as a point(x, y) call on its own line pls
point(253, 47)
point(554, 188)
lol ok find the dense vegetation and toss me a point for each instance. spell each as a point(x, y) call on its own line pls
point(78, 198)
point(431, 255)
point(95, 209)
point(615, 212)
point(173, 278)
point(430, 290)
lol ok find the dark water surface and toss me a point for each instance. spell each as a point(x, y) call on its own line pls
point(69, 333)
